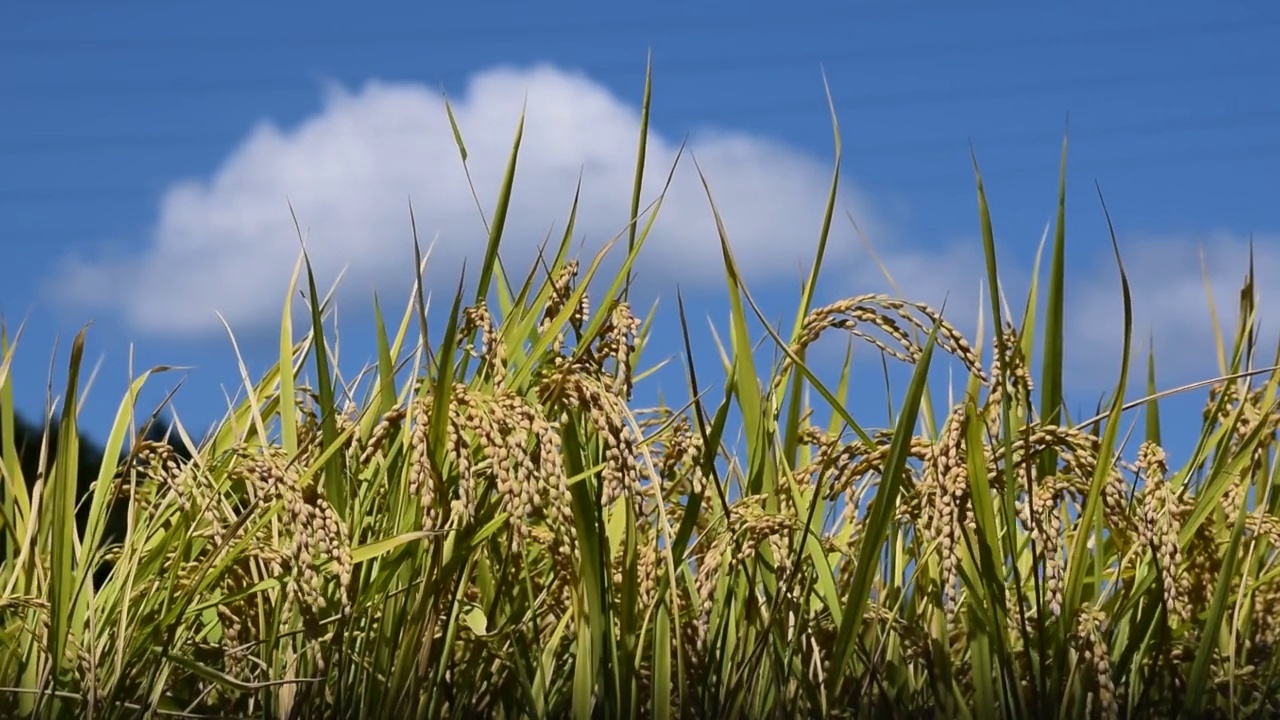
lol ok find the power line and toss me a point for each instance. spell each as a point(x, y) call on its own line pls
point(907, 98)
point(454, 35)
point(937, 181)
point(595, 28)
point(28, 147)
point(35, 146)
point(703, 66)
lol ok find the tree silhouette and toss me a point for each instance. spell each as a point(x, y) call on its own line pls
point(29, 442)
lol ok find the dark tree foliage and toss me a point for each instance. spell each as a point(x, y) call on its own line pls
point(28, 440)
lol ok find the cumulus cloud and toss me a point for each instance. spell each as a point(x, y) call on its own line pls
point(1170, 280)
point(227, 243)
point(1167, 277)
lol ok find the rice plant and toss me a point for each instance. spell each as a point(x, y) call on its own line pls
point(495, 528)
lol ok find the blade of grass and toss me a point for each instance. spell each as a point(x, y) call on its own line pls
point(879, 517)
point(1079, 559)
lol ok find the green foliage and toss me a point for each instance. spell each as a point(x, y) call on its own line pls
point(505, 534)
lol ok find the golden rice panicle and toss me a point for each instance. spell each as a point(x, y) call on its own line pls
point(1159, 528)
point(346, 421)
point(1078, 451)
point(711, 565)
point(518, 447)
point(382, 432)
point(491, 351)
point(1010, 373)
point(157, 465)
point(268, 474)
point(488, 420)
point(1243, 405)
point(159, 461)
point(645, 581)
point(856, 467)
point(949, 338)
point(1226, 393)
point(315, 534)
point(566, 386)
point(1237, 489)
point(1264, 524)
point(1092, 649)
point(530, 467)
point(463, 416)
point(882, 313)
point(465, 419)
point(1203, 564)
point(947, 476)
point(618, 343)
point(424, 482)
point(561, 289)
point(319, 536)
point(809, 474)
point(759, 528)
point(857, 459)
point(310, 431)
point(555, 484)
point(1234, 495)
point(260, 561)
point(729, 547)
point(499, 432)
point(1040, 514)
point(679, 464)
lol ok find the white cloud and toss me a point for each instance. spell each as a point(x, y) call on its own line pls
point(1167, 277)
point(227, 243)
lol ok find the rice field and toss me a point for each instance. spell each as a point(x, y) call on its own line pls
point(508, 534)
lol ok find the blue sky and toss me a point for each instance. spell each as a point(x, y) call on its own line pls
point(149, 149)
